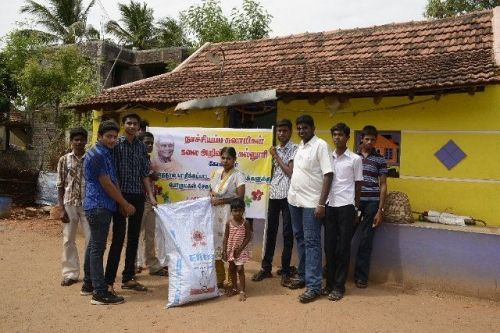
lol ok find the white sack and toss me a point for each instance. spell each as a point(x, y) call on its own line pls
point(446, 218)
point(47, 189)
point(186, 227)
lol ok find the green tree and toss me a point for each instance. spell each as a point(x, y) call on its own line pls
point(20, 45)
point(170, 33)
point(8, 87)
point(137, 29)
point(55, 76)
point(63, 20)
point(47, 76)
point(448, 8)
point(252, 22)
point(207, 23)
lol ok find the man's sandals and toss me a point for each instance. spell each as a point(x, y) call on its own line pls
point(66, 282)
point(132, 284)
point(162, 272)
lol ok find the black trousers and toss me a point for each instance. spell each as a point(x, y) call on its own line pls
point(277, 206)
point(339, 227)
point(133, 231)
point(363, 258)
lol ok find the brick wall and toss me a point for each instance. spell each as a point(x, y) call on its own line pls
point(46, 141)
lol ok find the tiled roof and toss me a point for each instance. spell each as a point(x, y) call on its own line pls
point(15, 117)
point(390, 59)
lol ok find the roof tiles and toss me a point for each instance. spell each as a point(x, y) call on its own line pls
point(389, 59)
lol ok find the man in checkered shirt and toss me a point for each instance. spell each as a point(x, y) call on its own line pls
point(133, 170)
point(283, 155)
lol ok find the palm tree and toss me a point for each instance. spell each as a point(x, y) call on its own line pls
point(171, 34)
point(138, 25)
point(63, 20)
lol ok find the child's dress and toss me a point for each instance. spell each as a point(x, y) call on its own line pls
point(234, 240)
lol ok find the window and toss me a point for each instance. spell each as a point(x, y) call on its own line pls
point(388, 154)
point(388, 145)
point(3, 138)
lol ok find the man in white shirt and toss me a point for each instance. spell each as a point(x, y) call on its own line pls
point(342, 212)
point(309, 187)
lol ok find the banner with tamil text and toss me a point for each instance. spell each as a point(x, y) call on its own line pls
point(186, 157)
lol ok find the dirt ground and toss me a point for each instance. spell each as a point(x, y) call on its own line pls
point(33, 301)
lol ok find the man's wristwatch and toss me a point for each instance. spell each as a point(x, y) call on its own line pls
point(358, 212)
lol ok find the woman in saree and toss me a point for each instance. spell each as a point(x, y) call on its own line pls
point(226, 183)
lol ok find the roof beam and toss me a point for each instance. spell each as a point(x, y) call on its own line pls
point(496, 34)
point(231, 100)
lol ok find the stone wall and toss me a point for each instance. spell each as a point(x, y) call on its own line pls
point(130, 65)
point(126, 65)
point(47, 144)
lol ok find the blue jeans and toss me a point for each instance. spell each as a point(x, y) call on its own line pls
point(307, 232)
point(99, 220)
point(368, 211)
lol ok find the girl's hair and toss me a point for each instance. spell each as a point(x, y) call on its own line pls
point(228, 150)
point(237, 203)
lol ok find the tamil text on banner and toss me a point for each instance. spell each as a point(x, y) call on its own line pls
point(185, 158)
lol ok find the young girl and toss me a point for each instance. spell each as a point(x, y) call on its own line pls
point(235, 251)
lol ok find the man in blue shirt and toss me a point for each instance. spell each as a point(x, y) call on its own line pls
point(101, 196)
point(131, 160)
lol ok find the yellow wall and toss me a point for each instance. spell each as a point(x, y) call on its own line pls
point(473, 121)
point(166, 118)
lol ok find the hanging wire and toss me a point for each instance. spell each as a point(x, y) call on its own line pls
point(101, 5)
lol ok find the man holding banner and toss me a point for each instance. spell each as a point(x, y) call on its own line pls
point(283, 155)
point(132, 169)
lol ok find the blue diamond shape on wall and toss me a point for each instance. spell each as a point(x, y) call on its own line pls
point(450, 154)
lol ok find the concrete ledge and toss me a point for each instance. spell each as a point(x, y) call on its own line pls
point(460, 260)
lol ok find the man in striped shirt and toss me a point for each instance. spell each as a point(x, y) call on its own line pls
point(372, 201)
point(71, 185)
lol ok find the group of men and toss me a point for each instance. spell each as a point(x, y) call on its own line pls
point(310, 188)
point(118, 189)
point(342, 191)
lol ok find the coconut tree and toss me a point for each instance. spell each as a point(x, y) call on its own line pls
point(63, 20)
point(137, 28)
point(170, 33)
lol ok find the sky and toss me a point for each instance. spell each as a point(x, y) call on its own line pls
point(289, 16)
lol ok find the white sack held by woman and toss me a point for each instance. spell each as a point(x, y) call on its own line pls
point(189, 242)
